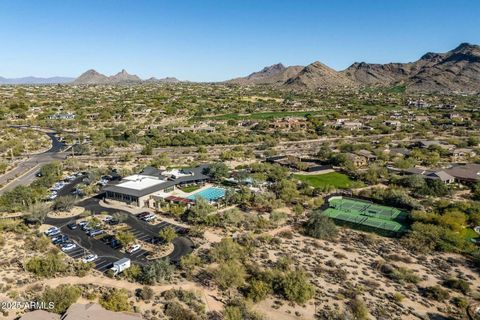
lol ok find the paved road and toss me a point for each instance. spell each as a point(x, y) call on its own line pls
point(25, 172)
point(142, 231)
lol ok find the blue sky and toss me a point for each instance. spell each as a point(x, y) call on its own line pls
point(208, 40)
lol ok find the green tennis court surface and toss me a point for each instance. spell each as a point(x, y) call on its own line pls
point(367, 215)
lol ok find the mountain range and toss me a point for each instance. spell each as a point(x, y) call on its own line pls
point(457, 70)
point(88, 77)
point(123, 77)
point(35, 80)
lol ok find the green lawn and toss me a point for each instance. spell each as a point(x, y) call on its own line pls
point(190, 188)
point(262, 115)
point(469, 233)
point(338, 180)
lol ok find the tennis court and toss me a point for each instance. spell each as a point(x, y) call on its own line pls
point(367, 215)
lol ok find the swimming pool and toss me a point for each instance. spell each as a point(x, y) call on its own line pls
point(210, 194)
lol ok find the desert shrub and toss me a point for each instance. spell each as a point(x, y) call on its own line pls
point(64, 203)
point(320, 226)
point(158, 271)
point(296, 287)
point(115, 300)
point(46, 266)
point(258, 290)
point(60, 297)
point(239, 309)
point(358, 308)
point(458, 285)
point(397, 296)
point(40, 244)
point(175, 311)
point(436, 293)
point(227, 250)
point(81, 269)
point(146, 293)
point(133, 273)
point(460, 302)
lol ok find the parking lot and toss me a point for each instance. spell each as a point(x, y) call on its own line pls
point(142, 231)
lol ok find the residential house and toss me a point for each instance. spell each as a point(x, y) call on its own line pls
point(462, 154)
point(349, 125)
point(395, 152)
point(420, 104)
point(440, 175)
point(433, 174)
point(367, 154)
point(357, 160)
point(62, 116)
point(425, 144)
point(288, 124)
point(465, 174)
point(393, 124)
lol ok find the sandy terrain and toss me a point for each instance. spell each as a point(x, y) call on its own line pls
point(340, 268)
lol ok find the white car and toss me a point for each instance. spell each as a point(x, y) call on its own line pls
point(68, 247)
point(52, 196)
point(52, 231)
point(134, 248)
point(149, 217)
point(477, 229)
point(90, 258)
point(57, 186)
point(107, 218)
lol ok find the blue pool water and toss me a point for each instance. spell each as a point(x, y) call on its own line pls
point(210, 194)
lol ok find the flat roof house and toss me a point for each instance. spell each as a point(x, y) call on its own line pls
point(138, 189)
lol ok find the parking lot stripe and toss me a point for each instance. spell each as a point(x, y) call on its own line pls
point(162, 224)
point(137, 254)
point(103, 267)
point(77, 254)
point(101, 264)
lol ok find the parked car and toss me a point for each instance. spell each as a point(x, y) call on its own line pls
point(149, 217)
point(107, 218)
point(102, 182)
point(82, 223)
point(115, 244)
point(133, 248)
point(113, 222)
point(86, 227)
point(52, 196)
point(68, 247)
point(72, 226)
point(90, 258)
point(143, 214)
point(51, 230)
point(60, 239)
point(77, 192)
point(96, 232)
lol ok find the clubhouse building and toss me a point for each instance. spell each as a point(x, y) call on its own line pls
point(152, 185)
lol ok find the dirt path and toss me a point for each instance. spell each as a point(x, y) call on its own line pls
point(209, 295)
